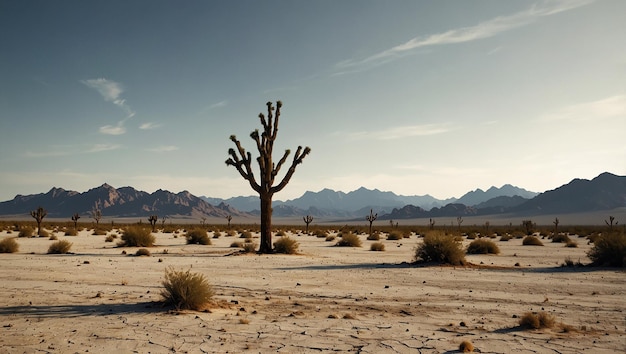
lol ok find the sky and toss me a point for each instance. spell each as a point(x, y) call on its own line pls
point(413, 97)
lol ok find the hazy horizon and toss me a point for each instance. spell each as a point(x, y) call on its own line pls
point(412, 97)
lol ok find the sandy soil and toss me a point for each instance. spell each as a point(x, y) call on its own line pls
point(327, 299)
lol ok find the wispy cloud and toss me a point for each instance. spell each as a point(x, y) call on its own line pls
point(149, 126)
point(103, 147)
point(486, 29)
point(111, 91)
point(163, 148)
point(219, 104)
point(402, 132)
point(610, 107)
point(68, 150)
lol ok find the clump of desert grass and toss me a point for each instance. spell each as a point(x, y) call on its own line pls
point(395, 235)
point(539, 320)
point(571, 244)
point(286, 245)
point(377, 246)
point(249, 247)
point(280, 233)
point(71, 232)
point(506, 237)
point(330, 238)
point(143, 252)
point(438, 247)
point(198, 237)
point(136, 236)
point(236, 244)
point(9, 245)
point(466, 347)
point(110, 238)
point(99, 232)
point(26, 231)
point(569, 262)
point(320, 233)
point(531, 241)
point(482, 246)
point(217, 234)
point(348, 239)
point(53, 237)
point(185, 290)
point(609, 249)
point(60, 247)
point(44, 233)
point(560, 238)
point(375, 236)
point(245, 234)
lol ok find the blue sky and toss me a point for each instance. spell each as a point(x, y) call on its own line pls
point(414, 97)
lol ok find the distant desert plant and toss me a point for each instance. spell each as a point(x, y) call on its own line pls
point(53, 237)
point(571, 244)
point(9, 245)
point(185, 290)
point(375, 236)
point(536, 321)
point(440, 248)
point(143, 252)
point(609, 250)
point(217, 234)
point(249, 247)
point(482, 246)
point(231, 233)
point(110, 238)
point(506, 237)
point(280, 233)
point(71, 232)
point(531, 241)
point(330, 238)
point(99, 232)
point(60, 247)
point(136, 236)
point(349, 239)
point(198, 237)
point(377, 246)
point(286, 245)
point(472, 236)
point(466, 347)
point(245, 234)
point(236, 244)
point(43, 233)
point(560, 238)
point(395, 235)
point(26, 231)
point(320, 233)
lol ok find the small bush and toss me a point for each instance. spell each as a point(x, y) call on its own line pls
point(560, 238)
point(236, 244)
point(506, 237)
point(320, 233)
point(26, 232)
point(482, 246)
point(198, 237)
point(249, 247)
point(245, 234)
point(377, 246)
point(536, 321)
point(217, 234)
point(375, 236)
point(44, 233)
point(9, 245)
point(286, 245)
point(395, 235)
point(440, 248)
point(109, 238)
point(143, 252)
point(571, 244)
point(60, 247)
point(609, 250)
point(71, 232)
point(137, 236)
point(330, 238)
point(466, 347)
point(99, 232)
point(53, 237)
point(531, 241)
point(185, 290)
point(349, 240)
point(231, 233)
point(280, 233)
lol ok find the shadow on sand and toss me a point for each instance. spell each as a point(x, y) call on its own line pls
point(69, 311)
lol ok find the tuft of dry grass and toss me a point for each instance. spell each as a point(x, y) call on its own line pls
point(482, 246)
point(71, 232)
point(395, 235)
point(136, 236)
point(349, 240)
point(531, 241)
point(375, 236)
point(440, 248)
point(536, 321)
point(609, 250)
point(286, 245)
point(26, 231)
point(185, 290)
point(60, 247)
point(198, 237)
point(249, 247)
point(560, 238)
point(466, 347)
point(236, 244)
point(143, 252)
point(9, 245)
point(377, 246)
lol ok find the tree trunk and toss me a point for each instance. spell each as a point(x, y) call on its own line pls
point(266, 223)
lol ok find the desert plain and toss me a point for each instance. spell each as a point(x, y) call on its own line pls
point(325, 299)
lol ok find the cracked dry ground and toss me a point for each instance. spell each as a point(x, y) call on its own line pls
point(327, 299)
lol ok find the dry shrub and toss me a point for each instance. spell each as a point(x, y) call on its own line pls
point(560, 238)
point(109, 238)
point(60, 247)
point(330, 238)
point(236, 244)
point(53, 237)
point(375, 236)
point(506, 237)
point(349, 240)
point(466, 347)
point(71, 232)
point(609, 250)
point(440, 248)
point(531, 241)
point(136, 236)
point(245, 234)
point(395, 235)
point(9, 245)
point(280, 233)
point(231, 233)
point(99, 232)
point(320, 233)
point(482, 246)
point(217, 234)
point(198, 237)
point(185, 290)
point(286, 245)
point(377, 246)
point(536, 321)
point(249, 247)
point(26, 231)
point(571, 244)
point(143, 252)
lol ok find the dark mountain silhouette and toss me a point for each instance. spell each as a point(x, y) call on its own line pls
point(121, 202)
point(479, 196)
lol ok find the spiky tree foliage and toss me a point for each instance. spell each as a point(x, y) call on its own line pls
point(229, 218)
point(242, 161)
point(459, 221)
point(609, 223)
point(96, 213)
point(556, 226)
point(39, 214)
point(307, 220)
point(371, 219)
point(75, 218)
point(153, 220)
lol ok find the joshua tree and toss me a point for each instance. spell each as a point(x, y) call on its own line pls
point(163, 220)
point(459, 221)
point(75, 218)
point(96, 213)
point(153, 219)
point(229, 218)
point(487, 228)
point(528, 225)
point(371, 219)
point(307, 220)
point(203, 220)
point(609, 223)
point(556, 226)
point(242, 161)
point(39, 214)
point(431, 223)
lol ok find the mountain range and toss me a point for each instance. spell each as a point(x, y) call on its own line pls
point(605, 192)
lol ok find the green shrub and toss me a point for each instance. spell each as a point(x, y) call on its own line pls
point(26, 231)
point(349, 240)
point(395, 235)
point(136, 236)
point(531, 241)
point(377, 246)
point(185, 290)
point(375, 236)
point(9, 245)
point(198, 237)
point(609, 250)
point(482, 246)
point(286, 245)
point(143, 252)
point(71, 232)
point(60, 247)
point(560, 238)
point(440, 248)
point(536, 321)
